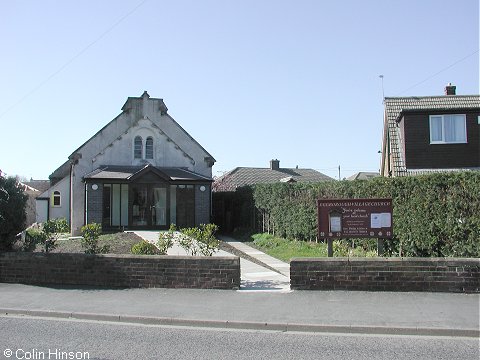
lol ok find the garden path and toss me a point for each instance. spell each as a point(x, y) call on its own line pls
point(254, 275)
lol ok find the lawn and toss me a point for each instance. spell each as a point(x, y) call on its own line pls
point(119, 243)
point(285, 250)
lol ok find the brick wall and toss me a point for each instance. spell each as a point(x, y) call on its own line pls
point(94, 204)
point(120, 270)
point(202, 204)
point(386, 274)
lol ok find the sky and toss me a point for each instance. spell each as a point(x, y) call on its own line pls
point(298, 81)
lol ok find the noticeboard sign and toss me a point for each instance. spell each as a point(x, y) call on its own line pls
point(355, 218)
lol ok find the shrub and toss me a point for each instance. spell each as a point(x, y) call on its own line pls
point(433, 215)
point(90, 235)
point(200, 240)
point(145, 248)
point(12, 211)
point(33, 237)
point(51, 232)
point(166, 239)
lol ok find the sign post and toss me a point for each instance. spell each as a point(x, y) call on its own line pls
point(355, 218)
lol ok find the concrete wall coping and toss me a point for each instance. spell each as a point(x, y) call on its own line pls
point(391, 259)
point(122, 256)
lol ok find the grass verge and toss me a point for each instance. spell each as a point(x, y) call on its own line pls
point(284, 249)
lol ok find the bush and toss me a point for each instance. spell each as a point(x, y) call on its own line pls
point(90, 235)
point(200, 240)
point(145, 248)
point(166, 240)
point(51, 231)
point(33, 237)
point(12, 211)
point(433, 215)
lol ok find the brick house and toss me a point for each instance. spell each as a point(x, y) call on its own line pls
point(431, 134)
point(142, 170)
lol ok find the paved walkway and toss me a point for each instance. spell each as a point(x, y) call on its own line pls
point(264, 303)
point(264, 273)
point(316, 311)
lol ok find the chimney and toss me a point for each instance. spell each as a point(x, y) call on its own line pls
point(274, 164)
point(450, 89)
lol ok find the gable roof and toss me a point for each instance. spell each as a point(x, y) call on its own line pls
point(363, 175)
point(396, 106)
point(37, 185)
point(115, 128)
point(244, 176)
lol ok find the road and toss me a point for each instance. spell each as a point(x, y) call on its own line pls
point(42, 338)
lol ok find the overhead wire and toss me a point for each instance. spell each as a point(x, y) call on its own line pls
point(438, 72)
point(72, 59)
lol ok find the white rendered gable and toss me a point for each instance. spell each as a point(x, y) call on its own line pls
point(166, 151)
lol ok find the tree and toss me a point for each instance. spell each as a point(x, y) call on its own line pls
point(12, 211)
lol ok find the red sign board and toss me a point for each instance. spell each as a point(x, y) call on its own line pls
point(355, 218)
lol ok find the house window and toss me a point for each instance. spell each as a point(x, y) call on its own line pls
point(448, 129)
point(149, 148)
point(137, 147)
point(57, 199)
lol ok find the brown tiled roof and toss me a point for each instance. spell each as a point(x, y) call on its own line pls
point(243, 176)
point(395, 106)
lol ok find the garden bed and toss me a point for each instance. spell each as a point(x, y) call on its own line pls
point(119, 243)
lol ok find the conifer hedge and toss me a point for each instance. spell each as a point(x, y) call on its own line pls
point(433, 215)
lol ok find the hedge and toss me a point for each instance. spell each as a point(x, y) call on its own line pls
point(434, 215)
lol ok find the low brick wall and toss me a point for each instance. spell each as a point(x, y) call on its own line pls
point(386, 274)
point(121, 270)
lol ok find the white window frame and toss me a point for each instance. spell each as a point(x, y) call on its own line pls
point(55, 195)
point(443, 141)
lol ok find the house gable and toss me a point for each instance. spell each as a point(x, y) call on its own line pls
point(142, 116)
point(165, 151)
point(406, 148)
point(420, 153)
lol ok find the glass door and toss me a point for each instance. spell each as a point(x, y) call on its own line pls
point(140, 205)
point(149, 206)
point(159, 206)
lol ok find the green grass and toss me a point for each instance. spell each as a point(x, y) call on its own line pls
point(285, 250)
point(119, 243)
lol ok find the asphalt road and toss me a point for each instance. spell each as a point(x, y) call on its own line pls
point(41, 338)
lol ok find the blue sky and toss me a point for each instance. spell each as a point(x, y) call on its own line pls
point(249, 80)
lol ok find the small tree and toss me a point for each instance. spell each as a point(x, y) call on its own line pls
point(166, 239)
point(52, 230)
point(12, 211)
point(90, 234)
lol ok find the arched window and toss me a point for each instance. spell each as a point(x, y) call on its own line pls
point(137, 147)
point(149, 148)
point(57, 198)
